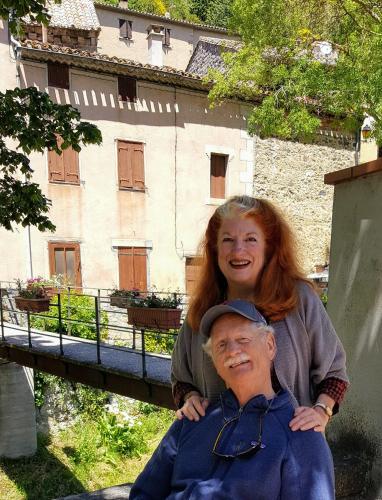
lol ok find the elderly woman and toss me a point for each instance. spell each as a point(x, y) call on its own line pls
point(248, 426)
point(249, 253)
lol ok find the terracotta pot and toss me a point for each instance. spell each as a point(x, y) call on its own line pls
point(148, 317)
point(32, 305)
point(118, 301)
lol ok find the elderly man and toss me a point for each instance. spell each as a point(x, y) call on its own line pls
point(243, 449)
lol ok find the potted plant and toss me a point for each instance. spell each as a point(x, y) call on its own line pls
point(153, 311)
point(33, 296)
point(122, 298)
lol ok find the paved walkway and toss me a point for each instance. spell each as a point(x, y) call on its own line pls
point(113, 358)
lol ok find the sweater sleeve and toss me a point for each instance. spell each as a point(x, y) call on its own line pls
point(307, 472)
point(154, 482)
point(328, 357)
point(180, 367)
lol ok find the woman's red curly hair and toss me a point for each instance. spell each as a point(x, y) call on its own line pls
point(275, 291)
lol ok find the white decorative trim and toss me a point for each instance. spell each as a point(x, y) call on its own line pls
point(215, 201)
point(126, 242)
point(220, 150)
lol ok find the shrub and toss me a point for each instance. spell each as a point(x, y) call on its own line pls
point(78, 317)
point(160, 342)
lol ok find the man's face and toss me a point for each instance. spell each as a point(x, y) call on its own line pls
point(241, 352)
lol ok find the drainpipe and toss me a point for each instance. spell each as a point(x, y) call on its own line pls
point(16, 46)
point(178, 248)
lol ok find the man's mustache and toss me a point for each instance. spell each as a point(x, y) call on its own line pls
point(235, 360)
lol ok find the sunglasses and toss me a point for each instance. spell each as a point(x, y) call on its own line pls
point(252, 449)
point(229, 426)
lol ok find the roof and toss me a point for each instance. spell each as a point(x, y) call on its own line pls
point(158, 17)
point(79, 14)
point(207, 54)
point(93, 61)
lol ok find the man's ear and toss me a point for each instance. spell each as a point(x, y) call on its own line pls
point(271, 346)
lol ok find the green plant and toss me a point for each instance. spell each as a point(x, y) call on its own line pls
point(324, 299)
point(122, 434)
point(33, 289)
point(78, 317)
point(160, 342)
point(169, 301)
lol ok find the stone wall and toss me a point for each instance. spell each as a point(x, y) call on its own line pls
point(291, 174)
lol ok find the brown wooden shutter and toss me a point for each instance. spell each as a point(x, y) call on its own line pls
point(122, 28)
point(192, 270)
point(56, 167)
point(131, 165)
point(58, 75)
point(137, 166)
point(71, 166)
point(132, 268)
point(127, 88)
point(129, 29)
point(125, 174)
point(218, 174)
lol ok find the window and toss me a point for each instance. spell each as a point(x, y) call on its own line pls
point(127, 89)
point(132, 268)
point(192, 269)
point(125, 29)
point(167, 37)
point(64, 167)
point(218, 174)
point(58, 75)
point(131, 173)
point(64, 258)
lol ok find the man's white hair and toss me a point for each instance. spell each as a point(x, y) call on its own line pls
point(259, 327)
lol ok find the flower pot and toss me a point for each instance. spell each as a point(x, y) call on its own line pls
point(50, 291)
point(118, 301)
point(147, 317)
point(32, 305)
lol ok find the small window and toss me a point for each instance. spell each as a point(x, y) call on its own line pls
point(167, 37)
point(218, 171)
point(64, 167)
point(127, 89)
point(132, 268)
point(58, 75)
point(192, 270)
point(64, 258)
point(131, 173)
point(125, 29)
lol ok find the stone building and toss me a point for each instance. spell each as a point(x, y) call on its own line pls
point(135, 208)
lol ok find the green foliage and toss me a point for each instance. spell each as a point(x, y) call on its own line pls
point(123, 436)
point(324, 299)
point(160, 342)
point(30, 120)
point(78, 317)
point(219, 12)
point(282, 66)
point(169, 301)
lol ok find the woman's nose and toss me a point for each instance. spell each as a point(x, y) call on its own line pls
point(237, 245)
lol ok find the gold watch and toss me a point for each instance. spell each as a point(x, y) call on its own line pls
point(326, 409)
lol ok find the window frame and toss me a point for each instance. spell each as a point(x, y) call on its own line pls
point(214, 190)
point(125, 29)
point(135, 252)
point(63, 158)
point(123, 91)
point(131, 187)
point(61, 83)
point(66, 245)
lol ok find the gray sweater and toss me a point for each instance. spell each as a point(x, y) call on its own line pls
point(308, 351)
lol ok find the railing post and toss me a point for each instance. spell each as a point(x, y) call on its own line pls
point(134, 337)
point(60, 322)
point(1, 313)
point(97, 330)
point(29, 330)
point(144, 371)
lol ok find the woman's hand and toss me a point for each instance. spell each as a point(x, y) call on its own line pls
point(194, 407)
point(306, 418)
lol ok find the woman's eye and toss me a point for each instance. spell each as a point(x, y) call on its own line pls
point(227, 238)
point(251, 238)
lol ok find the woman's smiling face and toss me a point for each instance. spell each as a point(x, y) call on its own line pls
point(241, 251)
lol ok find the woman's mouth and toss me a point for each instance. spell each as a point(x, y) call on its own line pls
point(239, 264)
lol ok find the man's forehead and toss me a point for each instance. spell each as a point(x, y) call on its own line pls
point(229, 322)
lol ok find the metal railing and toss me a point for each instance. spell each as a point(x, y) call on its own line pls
point(104, 324)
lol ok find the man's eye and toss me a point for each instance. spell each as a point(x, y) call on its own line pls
point(243, 340)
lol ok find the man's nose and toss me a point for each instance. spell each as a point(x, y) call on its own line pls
point(232, 347)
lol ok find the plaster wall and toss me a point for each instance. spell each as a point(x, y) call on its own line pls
point(183, 38)
point(179, 132)
point(291, 175)
point(355, 307)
